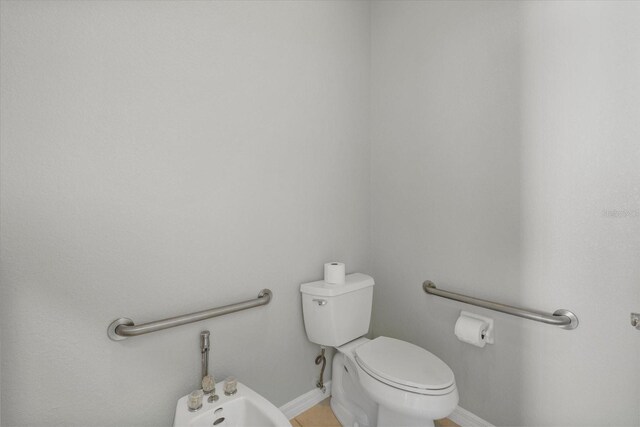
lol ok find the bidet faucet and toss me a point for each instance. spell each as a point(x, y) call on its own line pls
point(204, 351)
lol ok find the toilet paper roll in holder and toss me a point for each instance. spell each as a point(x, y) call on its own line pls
point(487, 333)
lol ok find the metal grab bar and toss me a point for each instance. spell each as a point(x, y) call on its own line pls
point(562, 318)
point(124, 327)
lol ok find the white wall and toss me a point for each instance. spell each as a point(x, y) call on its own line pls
point(501, 133)
point(159, 158)
point(164, 157)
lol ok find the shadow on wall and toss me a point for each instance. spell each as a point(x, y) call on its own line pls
point(446, 177)
point(489, 176)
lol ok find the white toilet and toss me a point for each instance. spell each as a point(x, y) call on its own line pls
point(379, 382)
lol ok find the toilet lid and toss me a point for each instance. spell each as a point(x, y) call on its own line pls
point(402, 363)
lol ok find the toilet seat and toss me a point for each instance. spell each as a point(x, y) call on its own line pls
point(405, 366)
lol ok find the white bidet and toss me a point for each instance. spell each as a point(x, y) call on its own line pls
point(245, 408)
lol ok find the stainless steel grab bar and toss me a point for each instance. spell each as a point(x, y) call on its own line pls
point(562, 318)
point(124, 327)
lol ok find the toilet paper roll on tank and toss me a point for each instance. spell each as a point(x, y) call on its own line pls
point(474, 329)
point(334, 273)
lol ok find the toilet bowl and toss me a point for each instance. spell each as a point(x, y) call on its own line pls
point(389, 382)
point(380, 382)
point(408, 382)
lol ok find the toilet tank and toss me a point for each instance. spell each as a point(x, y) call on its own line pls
point(336, 314)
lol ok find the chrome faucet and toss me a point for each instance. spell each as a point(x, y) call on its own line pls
point(204, 351)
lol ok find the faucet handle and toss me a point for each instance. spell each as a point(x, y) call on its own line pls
point(208, 384)
point(194, 401)
point(230, 386)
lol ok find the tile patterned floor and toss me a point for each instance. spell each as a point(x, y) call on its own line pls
point(321, 415)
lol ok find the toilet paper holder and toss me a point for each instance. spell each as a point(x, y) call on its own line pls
point(488, 332)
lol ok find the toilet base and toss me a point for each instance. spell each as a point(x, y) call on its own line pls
point(389, 418)
point(350, 404)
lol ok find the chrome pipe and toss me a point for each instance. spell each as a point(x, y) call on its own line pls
point(562, 318)
point(204, 352)
point(124, 327)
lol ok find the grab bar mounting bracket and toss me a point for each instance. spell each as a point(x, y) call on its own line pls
point(570, 315)
point(111, 330)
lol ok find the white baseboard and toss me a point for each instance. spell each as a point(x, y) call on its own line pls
point(464, 418)
point(308, 400)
